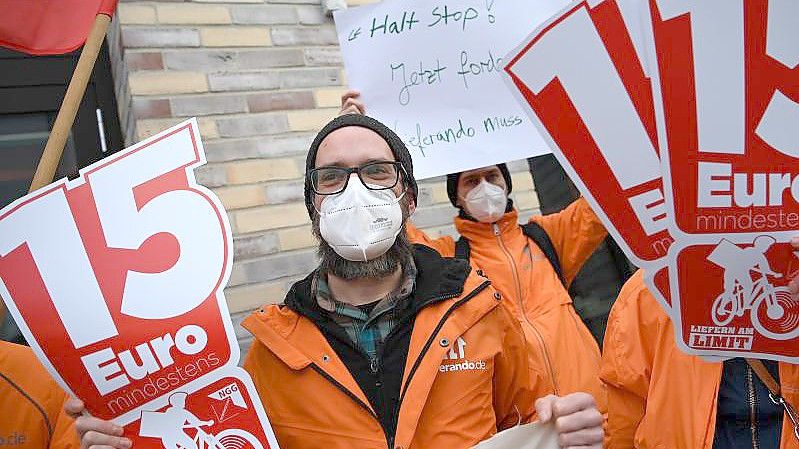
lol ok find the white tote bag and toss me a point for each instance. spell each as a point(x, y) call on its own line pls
point(529, 436)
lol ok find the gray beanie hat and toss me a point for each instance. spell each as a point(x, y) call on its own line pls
point(401, 153)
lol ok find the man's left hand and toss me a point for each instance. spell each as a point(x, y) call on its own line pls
point(576, 418)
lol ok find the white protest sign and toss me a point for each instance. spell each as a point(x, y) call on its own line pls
point(431, 71)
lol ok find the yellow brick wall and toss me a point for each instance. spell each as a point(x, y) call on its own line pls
point(262, 76)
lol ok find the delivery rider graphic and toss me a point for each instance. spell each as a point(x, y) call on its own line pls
point(175, 419)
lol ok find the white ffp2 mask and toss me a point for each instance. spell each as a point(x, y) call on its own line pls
point(360, 224)
point(486, 202)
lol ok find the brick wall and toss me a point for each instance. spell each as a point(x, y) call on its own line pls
point(262, 76)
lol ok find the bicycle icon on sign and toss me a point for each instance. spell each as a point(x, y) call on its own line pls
point(226, 439)
point(773, 311)
point(170, 427)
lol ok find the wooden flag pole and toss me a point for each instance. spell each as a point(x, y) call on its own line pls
point(51, 156)
point(69, 107)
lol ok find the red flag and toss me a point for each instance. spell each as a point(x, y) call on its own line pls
point(49, 27)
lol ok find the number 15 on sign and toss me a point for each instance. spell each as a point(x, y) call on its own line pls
point(115, 277)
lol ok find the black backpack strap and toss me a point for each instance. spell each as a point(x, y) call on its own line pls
point(462, 249)
point(539, 235)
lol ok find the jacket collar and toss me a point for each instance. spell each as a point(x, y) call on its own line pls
point(475, 231)
point(436, 279)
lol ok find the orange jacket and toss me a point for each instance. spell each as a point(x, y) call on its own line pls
point(564, 351)
point(314, 402)
point(31, 404)
point(658, 396)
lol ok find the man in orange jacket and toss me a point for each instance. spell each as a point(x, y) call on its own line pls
point(31, 404)
point(386, 344)
point(509, 255)
point(660, 397)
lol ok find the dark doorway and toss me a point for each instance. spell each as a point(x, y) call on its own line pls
point(31, 91)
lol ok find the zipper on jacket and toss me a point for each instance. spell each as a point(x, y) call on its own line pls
point(522, 310)
point(36, 405)
point(426, 347)
point(344, 390)
point(752, 407)
point(374, 367)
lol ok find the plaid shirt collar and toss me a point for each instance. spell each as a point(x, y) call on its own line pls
point(366, 330)
point(321, 290)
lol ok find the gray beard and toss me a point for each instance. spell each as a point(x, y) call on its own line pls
point(396, 257)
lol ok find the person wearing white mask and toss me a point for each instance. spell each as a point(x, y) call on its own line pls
point(486, 202)
point(530, 264)
point(386, 344)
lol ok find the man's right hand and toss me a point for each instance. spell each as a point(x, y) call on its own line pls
point(350, 104)
point(95, 433)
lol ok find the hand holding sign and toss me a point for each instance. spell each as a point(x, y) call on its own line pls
point(350, 104)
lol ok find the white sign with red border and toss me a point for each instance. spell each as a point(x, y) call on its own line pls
point(725, 93)
point(585, 81)
point(116, 278)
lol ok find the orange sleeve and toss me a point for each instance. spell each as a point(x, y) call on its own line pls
point(445, 245)
point(576, 233)
point(627, 363)
point(42, 414)
point(514, 392)
point(252, 364)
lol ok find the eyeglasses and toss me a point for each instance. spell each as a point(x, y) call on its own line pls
point(374, 175)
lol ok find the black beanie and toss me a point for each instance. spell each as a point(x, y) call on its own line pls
point(452, 183)
point(401, 153)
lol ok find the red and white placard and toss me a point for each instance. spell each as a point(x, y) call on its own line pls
point(727, 96)
point(585, 81)
point(225, 413)
point(724, 102)
point(727, 93)
point(740, 304)
point(588, 92)
point(116, 277)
